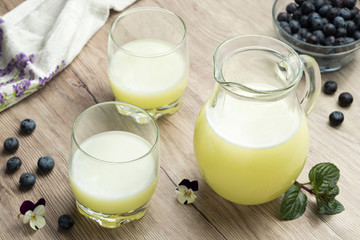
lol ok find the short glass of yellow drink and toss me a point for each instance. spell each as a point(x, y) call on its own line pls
point(251, 138)
point(148, 59)
point(114, 163)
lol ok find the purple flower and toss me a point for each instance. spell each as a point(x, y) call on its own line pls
point(3, 98)
point(1, 21)
point(21, 87)
point(31, 74)
point(42, 81)
point(31, 58)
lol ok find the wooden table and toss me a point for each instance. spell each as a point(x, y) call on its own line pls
point(84, 83)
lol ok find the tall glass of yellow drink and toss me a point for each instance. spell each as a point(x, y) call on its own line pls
point(148, 59)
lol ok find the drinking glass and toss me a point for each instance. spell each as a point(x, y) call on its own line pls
point(148, 59)
point(114, 163)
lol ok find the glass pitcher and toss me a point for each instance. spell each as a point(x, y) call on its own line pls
point(251, 138)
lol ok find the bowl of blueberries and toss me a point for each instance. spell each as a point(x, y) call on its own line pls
point(327, 30)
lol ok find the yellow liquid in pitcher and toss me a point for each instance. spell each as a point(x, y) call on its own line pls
point(148, 82)
point(250, 165)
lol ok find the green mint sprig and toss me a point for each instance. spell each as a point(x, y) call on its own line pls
point(323, 179)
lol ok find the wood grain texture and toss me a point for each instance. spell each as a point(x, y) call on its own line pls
point(84, 83)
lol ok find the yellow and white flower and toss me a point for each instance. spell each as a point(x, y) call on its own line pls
point(36, 217)
point(185, 191)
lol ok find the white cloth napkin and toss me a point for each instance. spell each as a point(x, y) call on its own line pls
point(39, 38)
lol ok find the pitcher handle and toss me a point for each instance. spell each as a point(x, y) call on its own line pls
point(313, 83)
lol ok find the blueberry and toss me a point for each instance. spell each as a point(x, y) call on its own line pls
point(27, 126)
point(13, 164)
point(296, 36)
point(345, 99)
point(349, 3)
point(323, 11)
point(283, 16)
point(312, 40)
point(340, 32)
point(291, 8)
point(283, 24)
point(297, 14)
point(340, 41)
point(324, 21)
point(313, 15)
point(337, 3)
point(345, 13)
point(356, 19)
point(299, 1)
point(307, 7)
point(319, 3)
point(316, 24)
point(11, 144)
point(66, 221)
point(350, 28)
point(349, 40)
point(46, 164)
point(357, 35)
point(304, 21)
point(336, 118)
point(27, 180)
point(329, 29)
point(330, 41)
point(354, 12)
point(339, 22)
point(330, 87)
point(302, 32)
point(294, 26)
point(333, 13)
point(287, 29)
point(320, 35)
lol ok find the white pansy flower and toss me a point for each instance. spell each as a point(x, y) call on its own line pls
point(36, 217)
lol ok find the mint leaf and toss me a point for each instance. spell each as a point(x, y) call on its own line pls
point(293, 204)
point(317, 181)
point(330, 175)
point(329, 207)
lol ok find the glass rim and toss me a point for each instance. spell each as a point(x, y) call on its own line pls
point(141, 9)
point(116, 103)
point(258, 93)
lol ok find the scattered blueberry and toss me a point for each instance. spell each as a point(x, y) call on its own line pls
point(27, 180)
point(66, 221)
point(46, 164)
point(11, 144)
point(13, 164)
point(345, 99)
point(27, 126)
point(330, 87)
point(336, 118)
